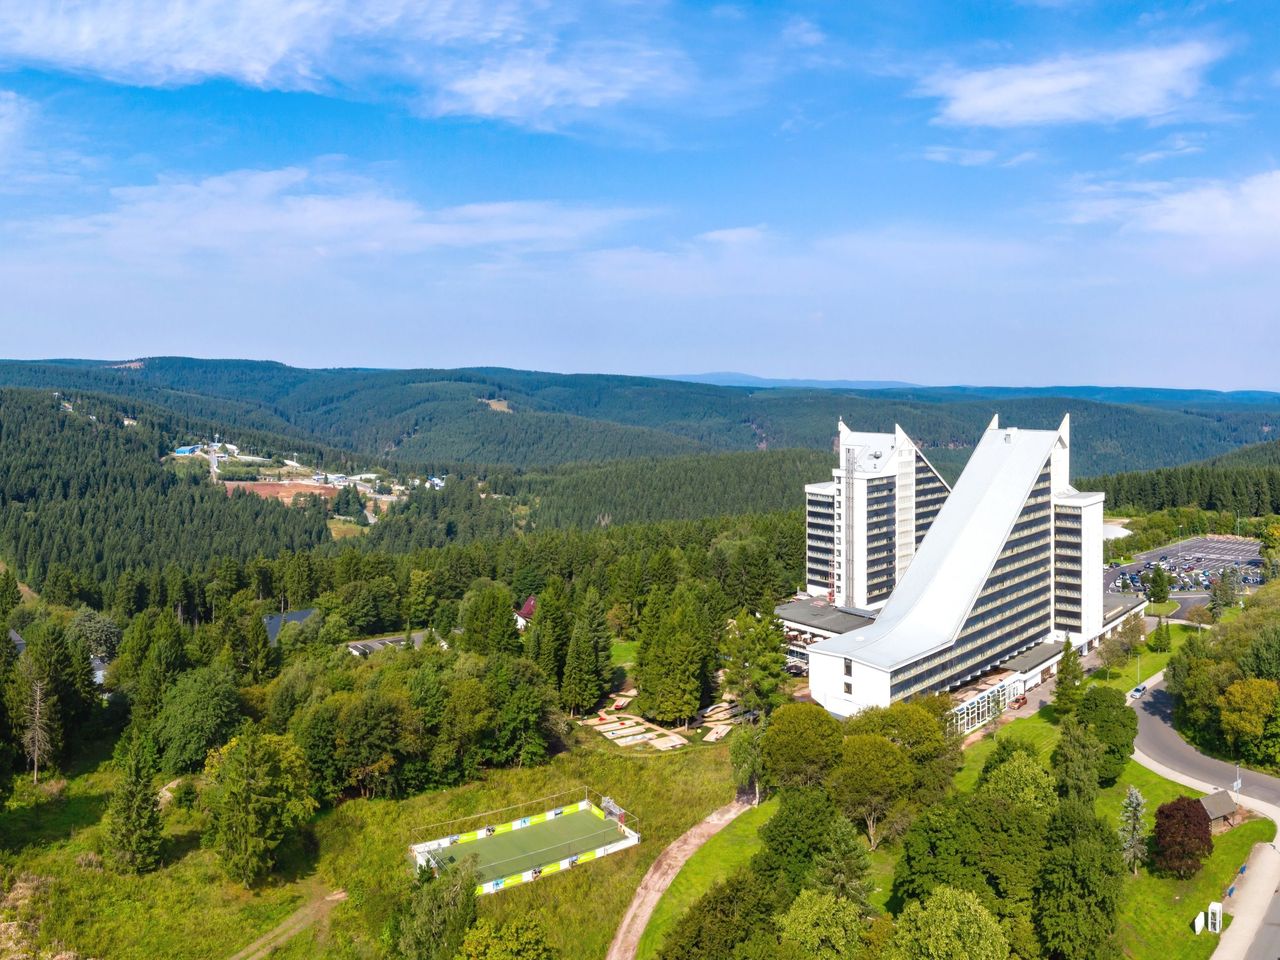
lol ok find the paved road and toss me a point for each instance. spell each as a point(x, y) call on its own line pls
point(1159, 741)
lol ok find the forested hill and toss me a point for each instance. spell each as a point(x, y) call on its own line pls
point(1254, 455)
point(84, 497)
point(524, 419)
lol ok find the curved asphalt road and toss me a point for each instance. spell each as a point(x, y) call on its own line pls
point(1160, 742)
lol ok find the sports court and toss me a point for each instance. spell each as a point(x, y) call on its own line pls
point(515, 851)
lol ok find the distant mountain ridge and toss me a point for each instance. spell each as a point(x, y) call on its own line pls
point(730, 379)
point(527, 419)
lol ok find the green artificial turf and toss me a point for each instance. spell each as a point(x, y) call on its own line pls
point(515, 851)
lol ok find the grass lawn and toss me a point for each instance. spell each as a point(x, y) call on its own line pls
point(57, 840)
point(719, 858)
point(1156, 913)
point(1041, 728)
point(1162, 609)
point(187, 910)
point(345, 528)
point(363, 844)
point(624, 652)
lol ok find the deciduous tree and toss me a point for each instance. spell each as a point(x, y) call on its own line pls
point(1107, 716)
point(822, 925)
point(1183, 837)
point(801, 745)
point(521, 938)
point(948, 925)
point(871, 784)
point(433, 923)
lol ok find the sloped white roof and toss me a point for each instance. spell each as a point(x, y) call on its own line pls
point(933, 597)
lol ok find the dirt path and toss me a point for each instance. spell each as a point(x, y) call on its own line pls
point(313, 911)
point(659, 877)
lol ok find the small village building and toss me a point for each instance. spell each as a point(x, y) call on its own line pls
point(1221, 809)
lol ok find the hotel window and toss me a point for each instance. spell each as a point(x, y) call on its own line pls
point(848, 668)
point(848, 689)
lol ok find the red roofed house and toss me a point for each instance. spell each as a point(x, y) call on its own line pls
point(526, 611)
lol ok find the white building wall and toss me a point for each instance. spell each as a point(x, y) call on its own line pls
point(905, 504)
point(827, 679)
point(1091, 579)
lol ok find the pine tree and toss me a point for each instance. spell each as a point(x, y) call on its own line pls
point(37, 738)
point(754, 662)
point(134, 830)
point(1158, 592)
point(1076, 760)
point(1067, 693)
point(555, 627)
point(844, 867)
point(597, 622)
point(10, 595)
point(580, 689)
point(1133, 830)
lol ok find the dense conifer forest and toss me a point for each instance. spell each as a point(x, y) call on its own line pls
point(529, 419)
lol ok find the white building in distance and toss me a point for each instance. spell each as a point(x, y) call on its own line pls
point(1012, 559)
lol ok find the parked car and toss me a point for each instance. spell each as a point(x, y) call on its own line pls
point(1018, 702)
point(1137, 692)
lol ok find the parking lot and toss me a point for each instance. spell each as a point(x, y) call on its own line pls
point(1192, 564)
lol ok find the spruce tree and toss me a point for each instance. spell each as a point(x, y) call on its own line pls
point(134, 829)
point(10, 595)
point(1076, 760)
point(554, 628)
point(1067, 693)
point(580, 689)
point(844, 866)
point(597, 623)
point(1133, 829)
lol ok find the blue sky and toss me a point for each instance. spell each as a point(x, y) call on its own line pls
point(1061, 191)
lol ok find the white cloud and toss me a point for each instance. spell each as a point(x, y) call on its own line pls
point(1142, 83)
point(800, 32)
point(541, 84)
point(961, 156)
point(536, 57)
point(734, 235)
point(14, 114)
point(1178, 145)
point(1236, 221)
point(305, 215)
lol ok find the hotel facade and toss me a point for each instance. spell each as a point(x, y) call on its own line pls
point(934, 589)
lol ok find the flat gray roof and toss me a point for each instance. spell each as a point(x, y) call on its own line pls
point(1040, 654)
point(1115, 604)
point(820, 615)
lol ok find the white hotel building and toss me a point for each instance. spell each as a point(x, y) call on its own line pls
point(932, 590)
point(865, 524)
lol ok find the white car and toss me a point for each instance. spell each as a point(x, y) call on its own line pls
point(1137, 692)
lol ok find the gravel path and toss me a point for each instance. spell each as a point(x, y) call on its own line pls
point(660, 875)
